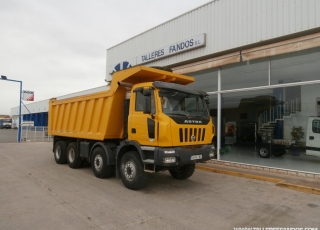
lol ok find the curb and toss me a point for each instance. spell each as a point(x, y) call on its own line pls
point(279, 182)
point(299, 188)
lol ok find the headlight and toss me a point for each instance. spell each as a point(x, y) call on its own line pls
point(211, 154)
point(169, 160)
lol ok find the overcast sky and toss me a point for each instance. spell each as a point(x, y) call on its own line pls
point(57, 47)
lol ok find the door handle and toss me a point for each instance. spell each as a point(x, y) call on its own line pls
point(311, 137)
point(133, 130)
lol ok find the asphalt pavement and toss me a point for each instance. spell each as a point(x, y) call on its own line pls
point(8, 135)
point(37, 193)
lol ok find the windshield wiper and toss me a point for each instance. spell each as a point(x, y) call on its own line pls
point(183, 113)
point(199, 116)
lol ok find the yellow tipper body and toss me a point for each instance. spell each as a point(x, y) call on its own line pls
point(100, 116)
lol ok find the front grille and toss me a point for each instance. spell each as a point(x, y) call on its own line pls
point(192, 134)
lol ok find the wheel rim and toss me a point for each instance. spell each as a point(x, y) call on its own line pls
point(263, 152)
point(98, 163)
point(130, 170)
point(71, 155)
point(58, 152)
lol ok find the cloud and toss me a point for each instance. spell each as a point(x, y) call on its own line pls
point(57, 47)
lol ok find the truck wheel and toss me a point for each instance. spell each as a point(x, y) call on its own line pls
point(278, 152)
point(73, 158)
point(183, 172)
point(264, 151)
point(99, 164)
point(60, 152)
point(132, 173)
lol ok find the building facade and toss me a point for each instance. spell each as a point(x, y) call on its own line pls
point(259, 61)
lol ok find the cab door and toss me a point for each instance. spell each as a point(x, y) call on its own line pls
point(142, 127)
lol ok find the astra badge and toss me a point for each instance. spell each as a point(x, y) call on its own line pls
point(193, 137)
point(192, 122)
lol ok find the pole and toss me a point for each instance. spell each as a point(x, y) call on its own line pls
point(19, 128)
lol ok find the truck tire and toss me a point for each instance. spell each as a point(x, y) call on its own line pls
point(278, 152)
point(60, 152)
point(73, 158)
point(183, 172)
point(99, 164)
point(264, 151)
point(132, 173)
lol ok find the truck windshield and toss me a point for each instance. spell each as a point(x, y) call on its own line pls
point(6, 121)
point(183, 104)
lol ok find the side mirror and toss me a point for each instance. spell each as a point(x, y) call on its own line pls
point(147, 104)
point(146, 92)
point(207, 100)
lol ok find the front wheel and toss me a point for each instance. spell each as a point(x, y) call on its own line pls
point(131, 169)
point(183, 172)
point(264, 151)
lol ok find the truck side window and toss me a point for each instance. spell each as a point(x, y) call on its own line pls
point(153, 106)
point(139, 102)
point(316, 126)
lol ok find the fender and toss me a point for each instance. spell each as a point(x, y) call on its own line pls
point(128, 144)
point(111, 155)
point(124, 147)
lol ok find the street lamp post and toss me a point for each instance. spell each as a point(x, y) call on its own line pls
point(19, 127)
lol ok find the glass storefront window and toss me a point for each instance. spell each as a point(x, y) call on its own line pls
point(245, 74)
point(296, 67)
point(205, 80)
point(272, 127)
point(213, 111)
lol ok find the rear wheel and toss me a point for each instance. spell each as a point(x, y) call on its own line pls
point(60, 152)
point(132, 173)
point(278, 152)
point(183, 172)
point(99, 164)
point(73, 158)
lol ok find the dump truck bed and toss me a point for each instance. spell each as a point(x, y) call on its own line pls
point(100, 116)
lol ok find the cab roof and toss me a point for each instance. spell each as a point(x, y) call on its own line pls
point(141, 74)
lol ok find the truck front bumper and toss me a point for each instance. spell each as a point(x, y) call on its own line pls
point(179, 156)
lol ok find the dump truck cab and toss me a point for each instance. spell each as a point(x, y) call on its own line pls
point(168, 120)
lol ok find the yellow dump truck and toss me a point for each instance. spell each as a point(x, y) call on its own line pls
point(148, 121)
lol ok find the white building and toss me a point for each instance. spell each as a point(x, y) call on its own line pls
point(258, 60)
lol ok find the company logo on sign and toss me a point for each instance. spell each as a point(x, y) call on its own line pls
point(27, 95)
point(122, 66)
point(152, 55)
point(175, 48)
point(178, 47)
